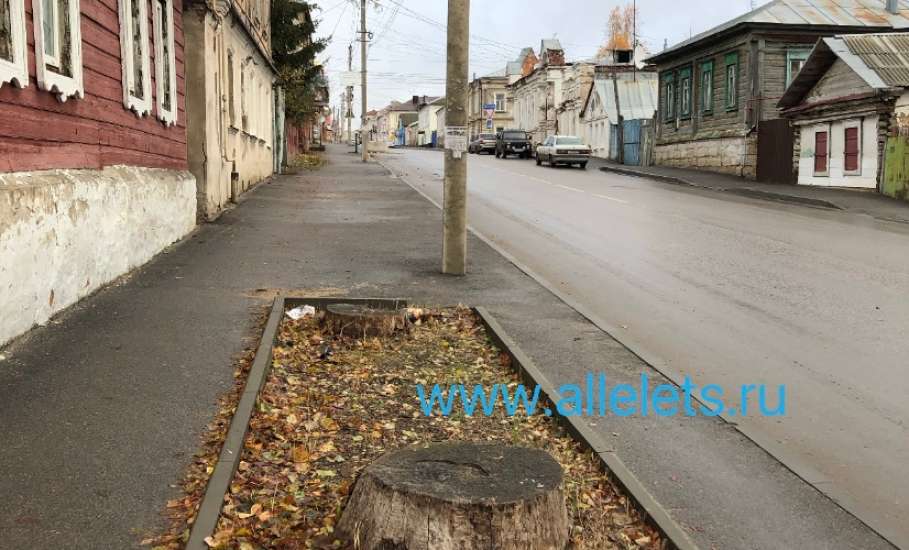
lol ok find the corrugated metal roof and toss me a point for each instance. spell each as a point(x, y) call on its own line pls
point(887, 54)
point(637, 98)
point(854, 13)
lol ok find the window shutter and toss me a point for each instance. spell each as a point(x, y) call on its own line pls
point(820, 152)
point(851, 161)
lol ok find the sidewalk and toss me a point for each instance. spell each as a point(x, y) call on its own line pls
point(102, 409)
point(858, 201)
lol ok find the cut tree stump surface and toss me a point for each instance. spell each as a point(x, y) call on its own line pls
point(361, 321)
point(469, 473)
point(459, 496)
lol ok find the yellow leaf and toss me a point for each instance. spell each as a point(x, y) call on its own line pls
point(327, 447)
point(326, 473)
point(301, 454)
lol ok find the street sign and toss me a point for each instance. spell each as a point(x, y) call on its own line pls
point(350, 78)
point(456, 140)
point(489, 106)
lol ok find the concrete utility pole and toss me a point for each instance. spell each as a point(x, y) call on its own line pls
point(363, 37)
point(454, 207)
point(349, 113)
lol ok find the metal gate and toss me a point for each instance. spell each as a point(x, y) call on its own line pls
point(774, 151)
point(631, 138)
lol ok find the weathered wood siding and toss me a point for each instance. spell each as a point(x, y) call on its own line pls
point(39, 132)
point(838, 81)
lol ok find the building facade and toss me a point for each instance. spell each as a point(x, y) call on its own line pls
point(93, 162)
point(575, 89)
point(848, 104)
point(231, 106)
point(427, 128)
point(719, 89)
point(489, 103)
point(538, 93)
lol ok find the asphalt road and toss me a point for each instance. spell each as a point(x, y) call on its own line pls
point(729, 291)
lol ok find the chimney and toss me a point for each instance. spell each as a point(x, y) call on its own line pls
point(893, 6)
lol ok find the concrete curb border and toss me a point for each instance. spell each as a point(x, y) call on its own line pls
point(528, 370)
point(206, 519)
point(746, 192)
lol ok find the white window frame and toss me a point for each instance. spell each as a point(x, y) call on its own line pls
point(61, 85)
point(857, 124)
point(141, 106)
point(504, 104)
point(16, 71)
point(162, 85)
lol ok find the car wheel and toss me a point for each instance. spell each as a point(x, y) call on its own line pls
point(551, 163)
point(539, 162)
point(583, 166)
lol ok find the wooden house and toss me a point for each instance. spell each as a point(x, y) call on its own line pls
point(719, 90)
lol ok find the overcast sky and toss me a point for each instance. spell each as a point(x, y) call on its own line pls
point(407, 54)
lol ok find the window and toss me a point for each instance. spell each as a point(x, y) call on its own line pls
point(165, 62)
point(669, 97)
point(13, 56)
point(623, 56)
point(732, 81)
point(820, 153)
point(134, 58)
point(707, 86)
point(500, 103)
point(244, 117)
point(685, 92)
point(231, 104)
point(58, 47)
point(852, 150)
point(795, 60)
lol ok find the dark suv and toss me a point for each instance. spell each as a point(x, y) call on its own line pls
point(513, 142)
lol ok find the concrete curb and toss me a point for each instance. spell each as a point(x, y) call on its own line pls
point(746, 192)
point(206, 519)
point(532, 375)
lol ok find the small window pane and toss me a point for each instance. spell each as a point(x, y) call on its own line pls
point(166, 72)
point(6, 31)
point(137, 89)
point(49, 27)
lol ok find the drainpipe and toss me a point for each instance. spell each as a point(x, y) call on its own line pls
point(893, 6)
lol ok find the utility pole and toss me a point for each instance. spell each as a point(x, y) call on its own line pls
point(454, 206)
point(363, 38)
point(349, 113)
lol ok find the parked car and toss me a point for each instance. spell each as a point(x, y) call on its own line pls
point(563, 150)
point(483, 143)
point(513, 142)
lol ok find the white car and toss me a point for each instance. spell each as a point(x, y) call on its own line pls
point(563, 150)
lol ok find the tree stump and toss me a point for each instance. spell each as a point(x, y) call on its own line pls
point(361, 321)
point(458, 496)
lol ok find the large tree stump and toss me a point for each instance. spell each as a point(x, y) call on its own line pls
point(458, 496)
point(360, 321)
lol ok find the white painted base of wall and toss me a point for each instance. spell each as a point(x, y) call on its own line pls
point(867, 176)
point(65, 233)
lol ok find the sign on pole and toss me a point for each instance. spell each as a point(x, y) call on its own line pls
point(456, 140)
point(350, 78)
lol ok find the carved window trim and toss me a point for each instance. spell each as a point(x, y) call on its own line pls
point(15, 71)
point(165, 81)
point(51, 77)
point(141, 105)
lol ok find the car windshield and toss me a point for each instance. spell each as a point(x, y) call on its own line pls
point(515, 135)
point(568, 141)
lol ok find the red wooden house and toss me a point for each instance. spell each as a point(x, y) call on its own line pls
point(93, 160)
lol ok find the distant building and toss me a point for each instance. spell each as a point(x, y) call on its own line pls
point(719, 89)
point(538, 93)
point(633, 96)
point(850, 108)
point(427, 129)
point(231, 105)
